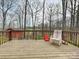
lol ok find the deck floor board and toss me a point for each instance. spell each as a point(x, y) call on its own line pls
point(37, 49)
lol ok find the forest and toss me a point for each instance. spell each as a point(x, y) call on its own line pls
point(39, 14)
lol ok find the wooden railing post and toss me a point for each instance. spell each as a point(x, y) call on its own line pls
point(62, 35)
point(10, 35)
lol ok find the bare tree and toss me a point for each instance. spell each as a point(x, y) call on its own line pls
point(54, 11)
point(35, 7)
point(43, 16)
point(5, 6)
point(26, 1)
point(73, 12)
point(50, 12)
point(50, 19)
point(19, 12)
point(11, 21)
point(64, 8)
point(77, 21)
point(72, 8)
point(58, 14)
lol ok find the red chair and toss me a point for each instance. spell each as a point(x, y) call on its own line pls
point(46, 37)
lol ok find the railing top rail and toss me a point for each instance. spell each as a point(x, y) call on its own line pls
point(70, 31)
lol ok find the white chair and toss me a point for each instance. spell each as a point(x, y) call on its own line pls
point(57, 37)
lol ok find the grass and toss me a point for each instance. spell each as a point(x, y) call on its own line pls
point(39, 37)
point(3, 39)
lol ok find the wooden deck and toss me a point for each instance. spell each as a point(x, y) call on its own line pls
point(37, 49)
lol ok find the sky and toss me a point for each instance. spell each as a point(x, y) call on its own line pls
point(53, 1)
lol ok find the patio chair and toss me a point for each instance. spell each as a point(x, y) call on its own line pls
point(56, 37)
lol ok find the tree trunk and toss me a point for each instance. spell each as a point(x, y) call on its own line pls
point(4, 19)
point(64, 7)
point(73, 12)
point(77, 22)
point(43, 17)
point(34, 25)
point(50, 19)
point(19, 21)
point(25, 18)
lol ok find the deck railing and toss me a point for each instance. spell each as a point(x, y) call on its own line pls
point(69, 36)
